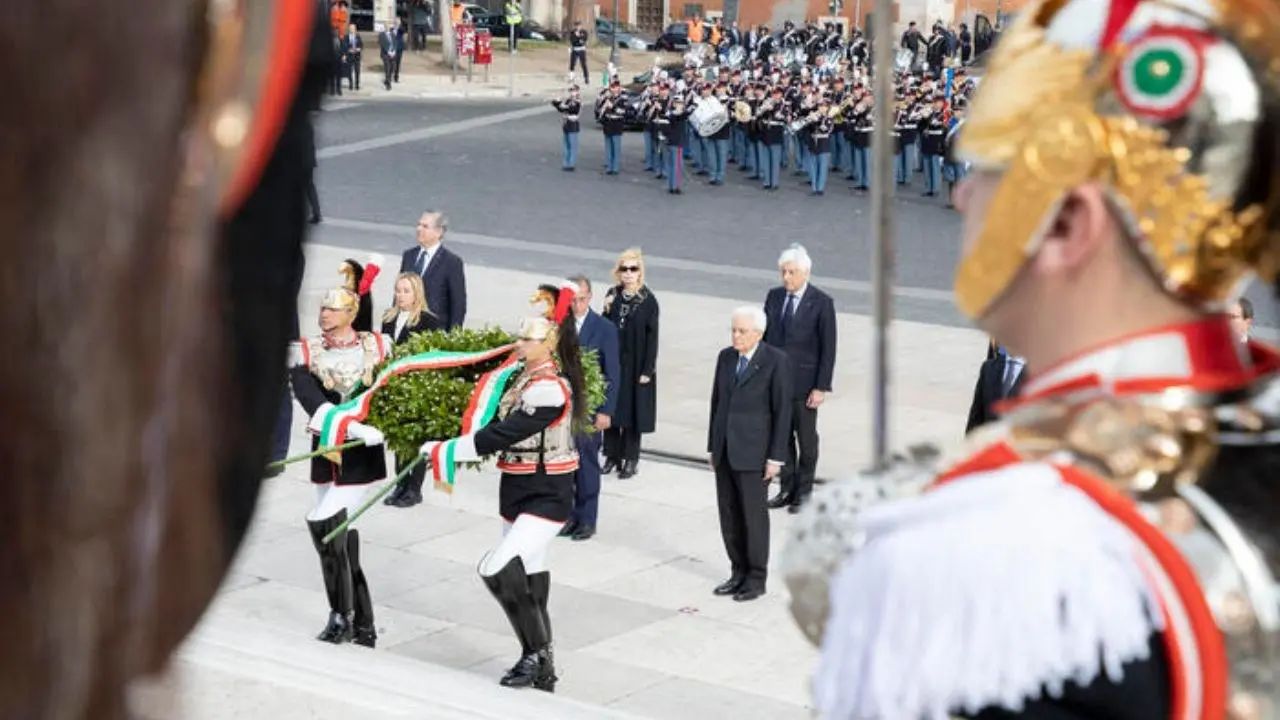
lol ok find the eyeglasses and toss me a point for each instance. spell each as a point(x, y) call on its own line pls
point(628, 268)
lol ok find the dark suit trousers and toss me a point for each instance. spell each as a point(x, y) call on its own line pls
point(353, 73)
point(313, 198)
point(744, 520)
point(802, 463)
point(622, 444)
point(416, 476)
point(284, 428)
point(586, 482)
point(388, 68)
point(395, 74)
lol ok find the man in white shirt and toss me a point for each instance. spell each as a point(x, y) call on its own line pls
point(443, 272)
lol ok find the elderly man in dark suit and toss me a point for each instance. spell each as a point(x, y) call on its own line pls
point(594, 333)
point(443, 273)
point(802, 323)
point(1000, 378)
point(750, 425)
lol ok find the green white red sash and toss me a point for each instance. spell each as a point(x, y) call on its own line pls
point(334, 428)
point(481, 410)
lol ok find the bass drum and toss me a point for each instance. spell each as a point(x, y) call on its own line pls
point(709, 117)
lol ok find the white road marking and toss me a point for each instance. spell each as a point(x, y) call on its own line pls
point(339, 105)
point(434, 131)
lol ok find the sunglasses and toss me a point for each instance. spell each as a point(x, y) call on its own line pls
point(628, 268)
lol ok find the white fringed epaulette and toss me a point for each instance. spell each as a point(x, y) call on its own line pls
point(827, 529)
point(990, 591)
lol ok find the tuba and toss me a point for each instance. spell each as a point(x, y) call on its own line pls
point(742, 111)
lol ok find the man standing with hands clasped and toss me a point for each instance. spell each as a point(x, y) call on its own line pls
point(750, 427)
point(802, 324)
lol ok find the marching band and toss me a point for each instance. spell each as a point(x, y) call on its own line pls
point(811, 110)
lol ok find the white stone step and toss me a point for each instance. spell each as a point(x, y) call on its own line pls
point(231, 668)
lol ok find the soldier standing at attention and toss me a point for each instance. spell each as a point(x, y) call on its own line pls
point(578, 50)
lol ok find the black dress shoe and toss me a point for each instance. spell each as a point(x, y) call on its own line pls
point(780, 500)
point(609, 466)
point(315, 220)
point(729, 587)
point(584, 532)
point(747, 594)
point(408, 499)
point(627, 470)
point(569, 529)
point(394, 498)
point(794, 508)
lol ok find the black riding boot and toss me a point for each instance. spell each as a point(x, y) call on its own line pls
point(511, 587)
point(540, 588)
point(335, 567)
point(364, 632)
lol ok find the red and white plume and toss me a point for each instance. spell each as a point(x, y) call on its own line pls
point(371, 270)
point(568, 291)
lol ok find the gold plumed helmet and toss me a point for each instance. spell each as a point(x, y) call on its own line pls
point(552, 303)
point(1171, 105)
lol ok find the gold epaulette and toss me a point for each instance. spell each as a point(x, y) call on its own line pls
point(1142, 445)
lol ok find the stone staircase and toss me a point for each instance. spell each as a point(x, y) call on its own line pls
point(231, 668)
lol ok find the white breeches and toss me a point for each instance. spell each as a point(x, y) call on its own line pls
point(330, 499)
point(529, 537)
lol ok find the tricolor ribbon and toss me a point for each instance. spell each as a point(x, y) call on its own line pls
point(481, 409)
point(333, 431)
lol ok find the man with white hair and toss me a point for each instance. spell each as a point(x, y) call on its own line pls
point(801, 323)
point(747, 440)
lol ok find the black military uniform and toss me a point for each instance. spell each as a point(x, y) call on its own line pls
point(578, 50)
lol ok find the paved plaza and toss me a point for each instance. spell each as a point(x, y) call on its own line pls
point(638, 632)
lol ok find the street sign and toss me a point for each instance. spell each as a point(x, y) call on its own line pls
point(484, 47)
point(466, 39)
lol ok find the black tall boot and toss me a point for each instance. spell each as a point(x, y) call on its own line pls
point(363, 633)
point(540, 588)
point(511, 587)
point(335, 567)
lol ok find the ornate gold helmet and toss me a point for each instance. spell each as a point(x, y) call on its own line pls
point(1171, 105)
point(340, 298)
point(553, 303)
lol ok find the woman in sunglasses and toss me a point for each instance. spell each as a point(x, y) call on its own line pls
point(631, 306)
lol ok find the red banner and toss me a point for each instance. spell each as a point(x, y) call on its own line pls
point(466, 39)
point(484, 47)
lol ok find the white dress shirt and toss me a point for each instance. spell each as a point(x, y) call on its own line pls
point(402, 319)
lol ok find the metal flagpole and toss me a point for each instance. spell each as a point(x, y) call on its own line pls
point(882, 249)
point(511, 59)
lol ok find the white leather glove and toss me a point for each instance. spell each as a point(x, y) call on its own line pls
point(427, 448)
point(316, 424)
point(370, 435)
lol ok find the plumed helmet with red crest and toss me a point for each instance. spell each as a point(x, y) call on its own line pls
point(553, 303)
point(354, 293)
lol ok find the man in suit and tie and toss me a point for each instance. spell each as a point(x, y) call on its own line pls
point(802, 323)
point(594, 333)
point(1000, 378)
point(750, 425)
point(355, 51)
point(1242, 319)
point(442, 271)
point(387, 45)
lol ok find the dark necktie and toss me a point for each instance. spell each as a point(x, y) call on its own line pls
point(742, 366)
point(422, 262)
point(789, 311)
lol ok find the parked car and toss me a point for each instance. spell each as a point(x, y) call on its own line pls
point(676, 37)
point(629, 36)
point(526, 30)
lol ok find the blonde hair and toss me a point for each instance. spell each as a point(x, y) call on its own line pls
point(628, 254)
point(419, 297)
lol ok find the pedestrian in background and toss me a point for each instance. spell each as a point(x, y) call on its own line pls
point(387, 44)
point(632, 307)
point(570, 109)
point(1000, 378)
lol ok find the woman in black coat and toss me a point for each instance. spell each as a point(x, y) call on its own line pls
point(407, 316)
point(633, 308)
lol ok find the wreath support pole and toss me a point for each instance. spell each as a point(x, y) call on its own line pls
point(386, 490)
point(314, 453)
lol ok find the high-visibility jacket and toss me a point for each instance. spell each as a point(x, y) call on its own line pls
point(695, 30)
point(715, 35)
point(455, 14)
point(514, 16)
